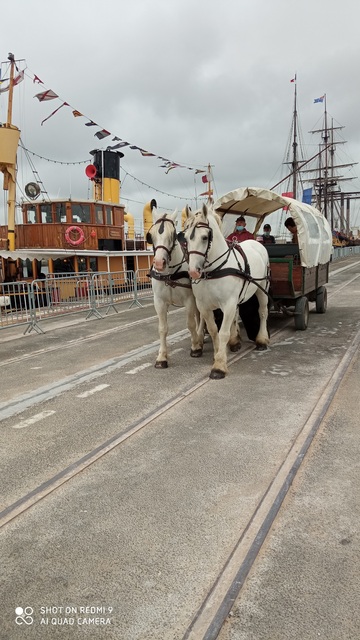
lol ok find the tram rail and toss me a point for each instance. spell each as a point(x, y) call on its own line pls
point(210, 616)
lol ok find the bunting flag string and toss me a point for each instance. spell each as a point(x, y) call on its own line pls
point(48, 94)
point(19, 78)
point(65, 104)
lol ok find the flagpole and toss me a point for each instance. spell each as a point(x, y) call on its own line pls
point(11, 89)
point(195, 191)
point(210, 199)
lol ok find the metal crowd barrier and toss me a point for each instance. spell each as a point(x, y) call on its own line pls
point(344, 252)
point(28, 303)
point(15, 304)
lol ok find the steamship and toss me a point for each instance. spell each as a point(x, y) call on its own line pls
point(68, 235)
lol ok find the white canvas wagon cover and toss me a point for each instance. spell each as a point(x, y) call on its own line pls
point(314, 232)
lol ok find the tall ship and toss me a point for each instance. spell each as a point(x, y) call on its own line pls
point(323, 179)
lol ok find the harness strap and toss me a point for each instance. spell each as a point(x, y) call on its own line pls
point(238, 248)
point(170, 279)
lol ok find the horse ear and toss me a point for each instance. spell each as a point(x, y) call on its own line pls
point(174, 216)
point(187, 211)
point(155, 214)
point(205, 210)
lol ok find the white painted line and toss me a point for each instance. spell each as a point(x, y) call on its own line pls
point(88, 393)
point(36, 418)
point(139, 368)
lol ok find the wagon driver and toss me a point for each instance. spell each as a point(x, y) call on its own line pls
point(240, 233)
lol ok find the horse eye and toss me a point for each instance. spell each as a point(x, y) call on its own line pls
point(149, 238)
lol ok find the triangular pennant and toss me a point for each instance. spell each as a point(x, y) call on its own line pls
point(65, 104)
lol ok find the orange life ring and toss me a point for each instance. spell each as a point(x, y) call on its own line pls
point(78, 240)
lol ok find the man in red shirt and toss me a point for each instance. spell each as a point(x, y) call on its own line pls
point(240, 233)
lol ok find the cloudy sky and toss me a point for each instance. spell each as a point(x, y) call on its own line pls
point(193, 81)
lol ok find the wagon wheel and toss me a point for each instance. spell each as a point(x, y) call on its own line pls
point(301, 316)
point(321, 300)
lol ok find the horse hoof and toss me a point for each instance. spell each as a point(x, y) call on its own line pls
point(261, 347)
point(235, 347)
point(217, 374)
point(161, 364)
point(196, 353)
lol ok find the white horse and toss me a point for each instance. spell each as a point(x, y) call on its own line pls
point(171, 284)
point(224, 276)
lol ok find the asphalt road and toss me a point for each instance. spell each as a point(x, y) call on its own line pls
point(138, 539)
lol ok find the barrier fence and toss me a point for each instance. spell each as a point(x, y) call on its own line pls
point(29, 303)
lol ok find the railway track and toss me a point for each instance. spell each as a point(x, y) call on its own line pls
point(208, 618)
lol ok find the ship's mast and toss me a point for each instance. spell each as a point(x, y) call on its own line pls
point(9, 140)
point(327, 181)
point(294, 145)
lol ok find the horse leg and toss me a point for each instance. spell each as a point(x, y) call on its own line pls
point(196, 329)
point(162, 358)
point(235, 339)
point(219, 368)
point(262, 338)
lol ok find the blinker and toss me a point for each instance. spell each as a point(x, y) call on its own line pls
point(181, 237)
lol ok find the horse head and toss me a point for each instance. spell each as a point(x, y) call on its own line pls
point(199, 232)
point(162, 236)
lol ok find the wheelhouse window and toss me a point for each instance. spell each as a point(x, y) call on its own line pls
point(45, 213)
point(80, 213)
point(99, 215)
point(60, 212)
point(108, 215)
point(31, 215)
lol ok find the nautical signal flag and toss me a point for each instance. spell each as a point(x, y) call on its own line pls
point(102, 134)
point(287, 194)
point(204, 179)
point(321, 99)
point(46, 95)
point(293, 79)
point(307, 195)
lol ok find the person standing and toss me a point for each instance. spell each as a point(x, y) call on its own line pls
point(240, 232)
point(291, 226)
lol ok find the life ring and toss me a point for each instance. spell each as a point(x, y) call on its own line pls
point(78, 240)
